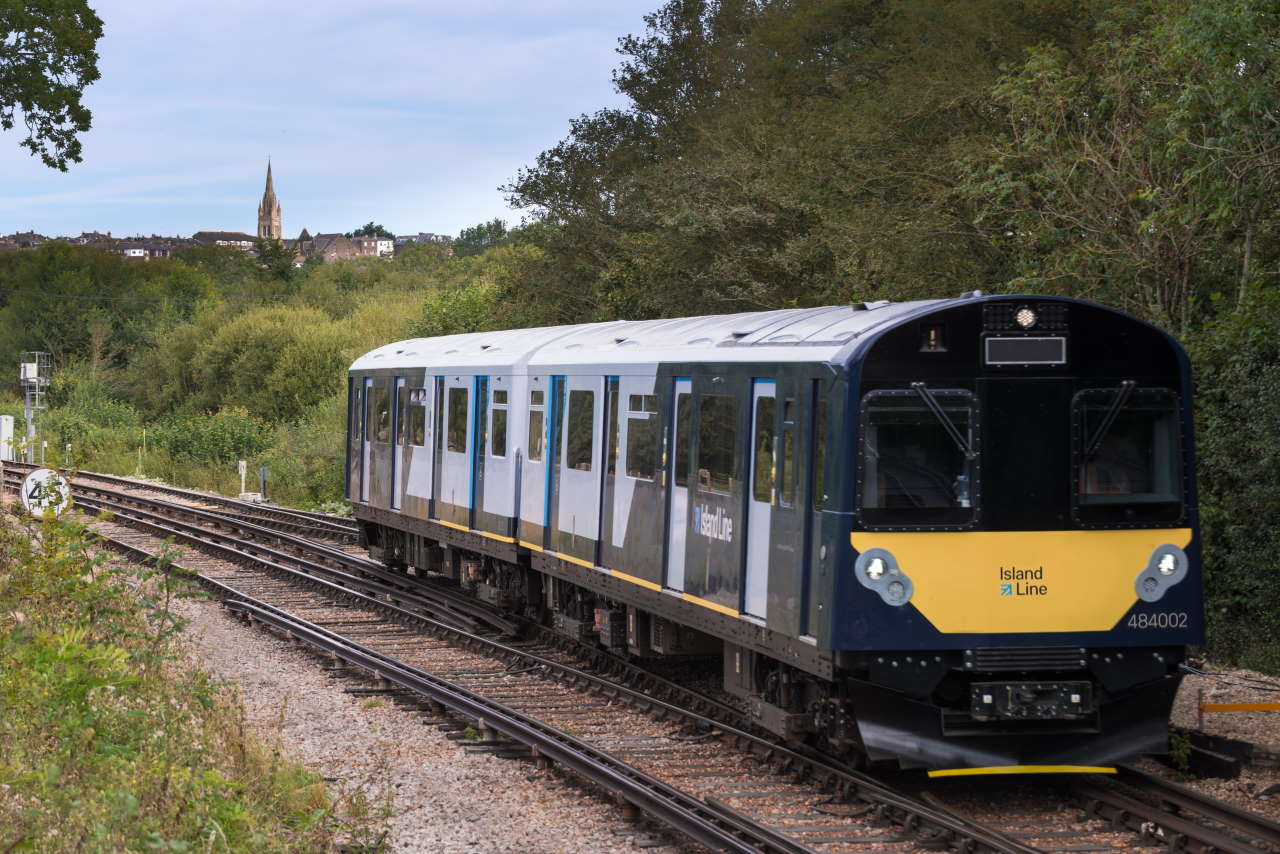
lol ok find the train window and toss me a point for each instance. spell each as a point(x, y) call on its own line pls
point(642, 403)
point(642, 442)
point(458, 419)
point(820, 458)
point(717, 439)
point(499, 397)
point(537, 397)
point(418, 417)
point(357, 410)
point(498, 432)
point(402, 415)
point(683, 425)
point(914, 471)
point(787, 470)
point(382, 411)
point(537, 434)
point(1127, 454)
point(787, 465)
point(762, 487)
point(582, 428)
point(615, 420)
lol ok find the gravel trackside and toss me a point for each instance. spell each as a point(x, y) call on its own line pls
point(442, 799)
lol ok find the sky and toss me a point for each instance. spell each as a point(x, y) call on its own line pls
point(409, 113)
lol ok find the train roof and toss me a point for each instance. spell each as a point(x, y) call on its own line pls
point(783, 335)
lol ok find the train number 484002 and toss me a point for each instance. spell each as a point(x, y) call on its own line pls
point(1159, 620)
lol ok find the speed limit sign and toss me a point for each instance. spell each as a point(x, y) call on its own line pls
point(46, 492)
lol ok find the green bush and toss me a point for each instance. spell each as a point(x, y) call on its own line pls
point(111, 741)
point(220, 437)
point(1237, 363)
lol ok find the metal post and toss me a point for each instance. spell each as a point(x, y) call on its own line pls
point(34, 372)
point(262, 482)
point(6, 437)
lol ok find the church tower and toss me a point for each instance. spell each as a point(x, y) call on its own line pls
point(269, 212)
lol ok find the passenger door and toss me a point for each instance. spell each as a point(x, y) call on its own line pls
point(478, 448)
point(678, 463)
point(366, 422)
point(398, 419)
point(762, 494)
point(456, 443)
point(581, 467)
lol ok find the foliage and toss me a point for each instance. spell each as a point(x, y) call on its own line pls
point(89, 304)
point(49, 57)
point(478, 238)
point(221, 437)
point(1238, 422)
point(1128, 166)
point(275, 259)
point(111, 741)
point(371, 229)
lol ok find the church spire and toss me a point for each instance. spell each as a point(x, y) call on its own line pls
point(269, 211)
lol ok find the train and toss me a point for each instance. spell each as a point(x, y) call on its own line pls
point(957, 535)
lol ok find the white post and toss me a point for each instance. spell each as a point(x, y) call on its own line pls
point(6, 437)
point(244, 469)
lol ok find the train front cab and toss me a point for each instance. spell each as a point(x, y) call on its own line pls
point(1025, 571)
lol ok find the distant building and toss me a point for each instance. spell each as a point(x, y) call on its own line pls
point(234, 239)
point(333, 247)
point(422, 237)
point(269, 212)
point(382, 247)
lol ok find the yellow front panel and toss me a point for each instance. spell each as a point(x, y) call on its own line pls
point(1061, 581)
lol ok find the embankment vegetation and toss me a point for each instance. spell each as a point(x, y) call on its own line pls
point(769, 154)
point(111, 741)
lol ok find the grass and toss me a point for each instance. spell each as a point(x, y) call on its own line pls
point(111, 742)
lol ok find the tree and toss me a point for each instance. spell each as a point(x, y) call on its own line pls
point(479, 238)
point(276, 259)
point(47, 56)
point(371, 229)
point(1142, 170)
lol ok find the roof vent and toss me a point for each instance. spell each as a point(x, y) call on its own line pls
point(858, 306)
point(741, 333)
point(970, 294)
point(619, 340)
point(698, 341)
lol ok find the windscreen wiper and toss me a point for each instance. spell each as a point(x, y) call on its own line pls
point(1122, 396)
point(938, 413)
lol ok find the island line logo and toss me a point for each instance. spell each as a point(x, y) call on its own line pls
point(714, 524)
point(1018, 582)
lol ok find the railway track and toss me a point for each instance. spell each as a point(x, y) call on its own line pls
point(305, 522)
point(690, 769)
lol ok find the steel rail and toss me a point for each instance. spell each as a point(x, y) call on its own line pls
point(1187, 798)
point(1179, 833)
point(332, 581)
point(341, 565)
point(324, 523)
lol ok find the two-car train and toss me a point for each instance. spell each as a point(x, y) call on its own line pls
point(959, 534)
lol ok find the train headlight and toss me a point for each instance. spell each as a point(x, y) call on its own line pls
point(878, 570)
point(1025, 317)
point(1165, 568)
